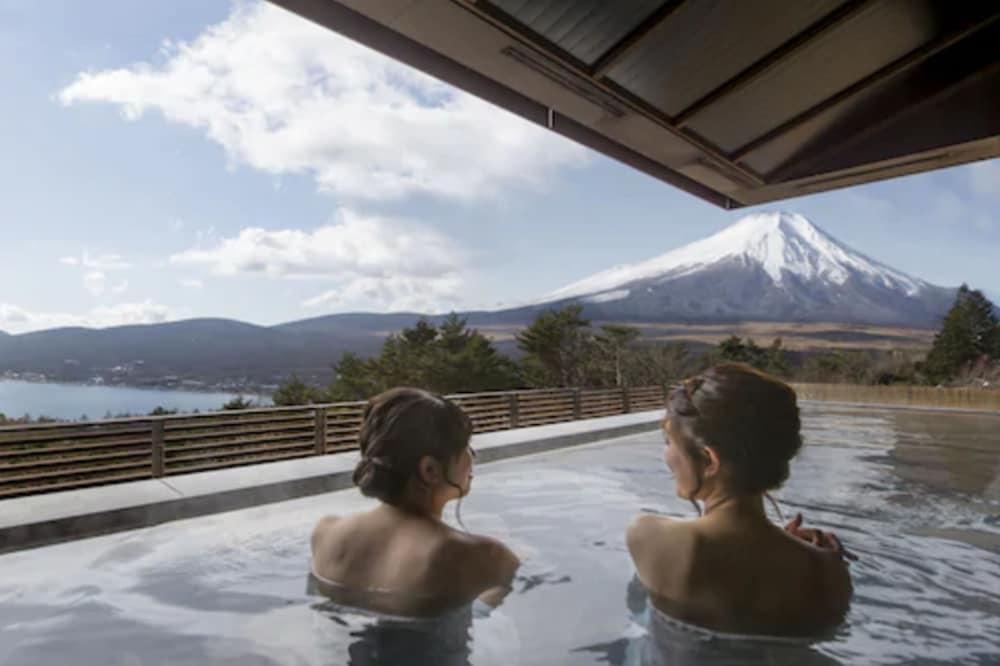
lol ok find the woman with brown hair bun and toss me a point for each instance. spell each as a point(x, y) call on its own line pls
point(730, 434)
point(400, 557)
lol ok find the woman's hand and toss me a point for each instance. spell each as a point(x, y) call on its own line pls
point(822, 540)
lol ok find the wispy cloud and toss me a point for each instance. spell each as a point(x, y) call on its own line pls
point(16, 319)
point(372, 262)
point(285, 96)
point(95, 271)
point(192, 283)
point(100, 262)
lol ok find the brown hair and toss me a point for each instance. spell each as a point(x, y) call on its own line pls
point(398, 428)
point(749, 418)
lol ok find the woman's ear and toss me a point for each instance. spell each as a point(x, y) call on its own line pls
point(710, 466)
point(429, 471)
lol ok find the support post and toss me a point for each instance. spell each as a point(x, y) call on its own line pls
point(319, 414)
point(158, 446)
point(576, 404)
point(513, 409)
point(626, 401)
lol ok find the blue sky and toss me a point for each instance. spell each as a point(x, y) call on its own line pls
point(166, 160)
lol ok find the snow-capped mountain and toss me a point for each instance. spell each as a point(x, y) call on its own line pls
point(773, 266)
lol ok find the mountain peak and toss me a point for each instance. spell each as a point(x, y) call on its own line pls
point(783, 244)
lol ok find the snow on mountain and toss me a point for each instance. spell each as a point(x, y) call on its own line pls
point(782, 244)
point(772, 266)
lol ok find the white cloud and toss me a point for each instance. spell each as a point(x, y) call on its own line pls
point(101, 262)
point(95, 282)
point(95, 271)
point(15, 319)
point(192, 283)
point(286, 96)
point(393, 294)
point(374, 262)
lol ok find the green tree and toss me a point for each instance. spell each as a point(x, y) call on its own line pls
point(465, 360)
point(355, 378)
point(736, 350)
point(294, 391)
point(162, 411)
point(554, 347)
point(969, 331)
point(450, 358)
point(613, 346)
point(777, 360)
point(239, 403)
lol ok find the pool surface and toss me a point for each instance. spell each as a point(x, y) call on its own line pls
point(915, 494)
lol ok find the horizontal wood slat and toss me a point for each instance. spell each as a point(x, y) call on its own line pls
point(59, 456)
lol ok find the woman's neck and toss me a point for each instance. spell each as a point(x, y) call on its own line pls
point(722, 504)
point(423, 507)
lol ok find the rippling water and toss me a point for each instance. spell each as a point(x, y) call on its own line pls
point(915, 494)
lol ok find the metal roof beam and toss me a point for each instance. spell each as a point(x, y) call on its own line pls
point(835, 18)
point(912, 59)
point(627, 43)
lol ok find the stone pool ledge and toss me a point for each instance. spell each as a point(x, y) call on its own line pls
point(39, 520)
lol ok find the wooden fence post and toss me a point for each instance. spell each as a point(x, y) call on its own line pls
point(319, 416)
point(626, 401)
point(513, 409)
point(158, 446)
point(576, 404)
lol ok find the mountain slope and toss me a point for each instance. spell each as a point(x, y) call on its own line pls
point(770, 267)
point(209, 349)
point(767, 267)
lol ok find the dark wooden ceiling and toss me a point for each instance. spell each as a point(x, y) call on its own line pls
point(739, 102)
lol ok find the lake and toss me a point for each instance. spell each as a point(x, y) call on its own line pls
point(71, 401)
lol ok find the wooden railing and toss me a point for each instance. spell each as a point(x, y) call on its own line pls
point(44, 457)
point(985, 399)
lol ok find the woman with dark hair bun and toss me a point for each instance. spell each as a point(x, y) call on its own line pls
point(730, 435)
point(400, 557)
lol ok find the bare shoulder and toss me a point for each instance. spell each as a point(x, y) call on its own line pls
point(661, 548)
point(324, 526)
point(649, 531)
point(476, 561)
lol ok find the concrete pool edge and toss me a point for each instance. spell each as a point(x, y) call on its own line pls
point(41, 520)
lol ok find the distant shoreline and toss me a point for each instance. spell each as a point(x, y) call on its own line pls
point(250, 391)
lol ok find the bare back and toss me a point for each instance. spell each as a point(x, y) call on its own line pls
point(729, 578)
point(393, 562)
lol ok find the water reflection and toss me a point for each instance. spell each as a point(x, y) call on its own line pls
point(374, 640)
point(656, 640)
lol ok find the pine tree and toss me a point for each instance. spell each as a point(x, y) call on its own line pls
point(449, 358)
point(555, 347)
point(613, 344)
point(969, 331)
point(239, 403)
point(296, 392)
point(749, 352)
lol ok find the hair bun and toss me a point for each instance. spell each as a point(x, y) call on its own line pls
point(375, 477)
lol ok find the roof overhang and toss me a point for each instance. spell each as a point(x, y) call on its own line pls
point(739, 103)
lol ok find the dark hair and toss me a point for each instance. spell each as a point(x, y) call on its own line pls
point(749, 418)
point(398, 428)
